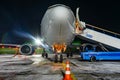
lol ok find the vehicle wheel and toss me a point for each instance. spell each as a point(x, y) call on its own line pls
point(46, 55)
point(92, 58)
point(43, 54)
point(56, 58)
point(67, 55)
point(61, 58)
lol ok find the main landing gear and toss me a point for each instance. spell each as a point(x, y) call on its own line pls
point(69, 54)
point(45, 55)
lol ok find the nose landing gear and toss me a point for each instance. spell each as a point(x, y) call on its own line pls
point(58, 58)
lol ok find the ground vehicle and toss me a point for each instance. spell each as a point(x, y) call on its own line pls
point(93, 54)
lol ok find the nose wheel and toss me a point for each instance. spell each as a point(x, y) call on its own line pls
point(58, 58)
point(61, 58)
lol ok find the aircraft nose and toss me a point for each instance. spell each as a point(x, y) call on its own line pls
point(61, 12)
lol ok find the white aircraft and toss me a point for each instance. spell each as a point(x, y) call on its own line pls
point(58, 29)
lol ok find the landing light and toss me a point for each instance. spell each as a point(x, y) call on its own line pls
point(38, 41)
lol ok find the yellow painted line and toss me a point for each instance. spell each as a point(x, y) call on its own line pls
point(73, 76)
point(64, 65)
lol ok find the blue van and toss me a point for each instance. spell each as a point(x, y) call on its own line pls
point(95, 52)
point(93, 56)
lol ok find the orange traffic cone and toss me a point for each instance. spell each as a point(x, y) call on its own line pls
point(67, 72)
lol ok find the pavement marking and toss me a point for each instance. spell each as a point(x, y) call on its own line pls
point(73, 76)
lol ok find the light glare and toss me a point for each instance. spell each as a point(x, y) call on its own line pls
point(38, 41)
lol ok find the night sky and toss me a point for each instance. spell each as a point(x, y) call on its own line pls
point(25, 16)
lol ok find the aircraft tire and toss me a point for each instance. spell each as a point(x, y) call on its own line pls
point(46, 55)
point(67, 55)
point(56, 58)
point(61, 58)
point(71, 54)
point(43, 54)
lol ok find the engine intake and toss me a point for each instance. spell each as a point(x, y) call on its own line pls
point(26, 49)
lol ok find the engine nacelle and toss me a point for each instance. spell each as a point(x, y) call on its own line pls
point(26, 49)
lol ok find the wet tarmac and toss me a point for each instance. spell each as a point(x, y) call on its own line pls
point(100, 70)
point(26, 68)
point(37, 68)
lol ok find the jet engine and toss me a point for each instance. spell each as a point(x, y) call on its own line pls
point(26, 49)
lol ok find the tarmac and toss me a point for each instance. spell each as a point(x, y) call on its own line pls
point(37, 68)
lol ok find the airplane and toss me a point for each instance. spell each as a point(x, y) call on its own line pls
point(58, 29)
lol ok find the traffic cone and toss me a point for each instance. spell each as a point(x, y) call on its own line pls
point(67, 72)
